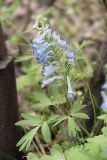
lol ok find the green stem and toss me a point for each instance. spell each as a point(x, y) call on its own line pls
point(84, 130)
point(92, 105)
point(60, 110)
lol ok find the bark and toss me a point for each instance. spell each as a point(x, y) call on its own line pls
point(9, 133)
point(2, 45)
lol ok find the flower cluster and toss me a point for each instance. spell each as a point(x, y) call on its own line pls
point(49, 49)
point(104, 96)
point(41, 48)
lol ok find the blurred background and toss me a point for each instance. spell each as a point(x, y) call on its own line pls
point(74, 20)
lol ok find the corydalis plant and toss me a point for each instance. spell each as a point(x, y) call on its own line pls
point(54, 56)
point(56, 60)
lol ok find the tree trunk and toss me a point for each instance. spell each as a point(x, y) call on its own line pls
point(9, 133)
point(95, 86)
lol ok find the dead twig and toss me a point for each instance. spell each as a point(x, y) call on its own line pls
point(40, 144)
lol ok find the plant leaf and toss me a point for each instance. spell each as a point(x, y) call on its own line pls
point(80, 115)
point(43, 99)
point(46, 132)
point(26, 140)
point(72, 127)
point(32, 156)
point(29, 120)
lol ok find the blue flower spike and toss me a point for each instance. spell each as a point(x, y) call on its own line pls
point(44, 50)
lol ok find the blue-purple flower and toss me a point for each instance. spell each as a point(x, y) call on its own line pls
point(71, 57)
point(104, 104)
point(104, 85)
point(48, 70)
point(62, 43)
point(45, 82)
point(41, 51)
point(70, 94)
